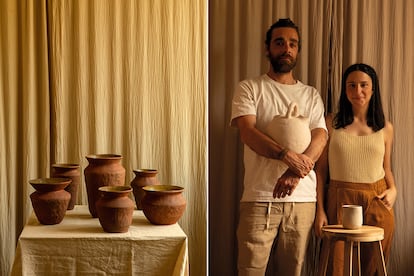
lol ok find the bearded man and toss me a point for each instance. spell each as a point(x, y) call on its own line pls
point(277, 208)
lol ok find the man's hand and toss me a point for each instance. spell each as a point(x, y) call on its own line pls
point(286, 184)
point(299, 164)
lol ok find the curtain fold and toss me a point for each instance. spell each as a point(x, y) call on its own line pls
point(125, 77)
point(24, 115)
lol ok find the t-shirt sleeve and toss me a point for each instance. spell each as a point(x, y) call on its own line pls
point(318, 113)
point(243, 102)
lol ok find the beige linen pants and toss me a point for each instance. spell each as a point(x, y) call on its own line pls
point(375, 214)
point(285, 226)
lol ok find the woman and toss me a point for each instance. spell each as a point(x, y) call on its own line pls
point(357, 161)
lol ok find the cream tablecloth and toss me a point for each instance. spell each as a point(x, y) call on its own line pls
point(79, 246)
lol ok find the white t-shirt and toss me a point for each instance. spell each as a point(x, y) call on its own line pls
point(266, 98)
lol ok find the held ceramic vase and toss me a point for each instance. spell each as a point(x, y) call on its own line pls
point(143, 177)
point(291, 130)
point(163, 204)
point(71, 171)
point(50, 200)
point(102, 170)
point(115, 208)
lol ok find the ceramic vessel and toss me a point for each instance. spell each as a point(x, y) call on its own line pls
point(50, 200)
point(143, 177)
point(102, 170)
point(163, 204)
point(71, 171)
point(115, 208)
point(352, 216)
point(290, 130)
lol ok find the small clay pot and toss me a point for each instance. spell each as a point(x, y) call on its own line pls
point(163, 204)
point(71, 171)
point(115, 208)
point(102, 170)
point(143, 177)
point(50, 200)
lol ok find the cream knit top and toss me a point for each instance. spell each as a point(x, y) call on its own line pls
point(357, 159)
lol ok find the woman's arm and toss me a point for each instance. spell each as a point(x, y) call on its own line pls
point(390, 195)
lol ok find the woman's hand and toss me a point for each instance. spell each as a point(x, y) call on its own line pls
point(388, 197)
point(320, 221)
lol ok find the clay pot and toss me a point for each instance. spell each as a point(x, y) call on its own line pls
point(143, 177)
point(71, 171)
point(115, 208)
point(163, 204)
point(50, 200)
point(102, 170)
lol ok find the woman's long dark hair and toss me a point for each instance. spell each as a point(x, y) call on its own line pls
point(375, 116)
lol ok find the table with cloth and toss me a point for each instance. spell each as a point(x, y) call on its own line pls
point(79, 246)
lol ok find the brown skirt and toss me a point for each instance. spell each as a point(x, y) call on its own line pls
point(375, 214)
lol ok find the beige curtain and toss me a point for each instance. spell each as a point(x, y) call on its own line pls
point(125, 77)
point(335, 34)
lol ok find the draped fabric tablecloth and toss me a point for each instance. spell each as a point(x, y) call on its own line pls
point(79, 246)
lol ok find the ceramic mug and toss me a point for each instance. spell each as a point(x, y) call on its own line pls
point(352, 216)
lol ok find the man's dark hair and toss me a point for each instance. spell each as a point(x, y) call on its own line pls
point(282, 22)
point(375, 116)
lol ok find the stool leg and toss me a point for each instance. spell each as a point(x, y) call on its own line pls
point(379, 256)
point(323, 262)
point(359, 257)
point(348, 258)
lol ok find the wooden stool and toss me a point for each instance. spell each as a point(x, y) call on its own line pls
point(332, 233)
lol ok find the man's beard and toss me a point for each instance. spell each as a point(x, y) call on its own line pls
point(281, 65)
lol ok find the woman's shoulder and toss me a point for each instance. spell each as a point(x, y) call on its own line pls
point(388, 128)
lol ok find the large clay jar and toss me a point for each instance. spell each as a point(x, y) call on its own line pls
point(50, 200)
point(71, 171)
point(291, 130)
point(102, 170)
point(163, 204)
point(115, 208)
point(143, 177)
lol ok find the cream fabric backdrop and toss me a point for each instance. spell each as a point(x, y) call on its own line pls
point(126, 77)
point(335, 34)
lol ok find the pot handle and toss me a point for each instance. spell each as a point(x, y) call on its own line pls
point(292, 110)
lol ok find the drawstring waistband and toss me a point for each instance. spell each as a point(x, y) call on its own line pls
point(286, 218)
point(269, 208)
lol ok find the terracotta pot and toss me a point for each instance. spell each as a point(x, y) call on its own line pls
point(71, 171)
point(143, 177)
point(115, 208)
point(163, 204)
point(102, 170)
point(50, 200)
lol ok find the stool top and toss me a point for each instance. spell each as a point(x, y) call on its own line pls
point(365, 233)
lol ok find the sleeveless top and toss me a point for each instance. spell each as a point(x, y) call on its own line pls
point(357, 159)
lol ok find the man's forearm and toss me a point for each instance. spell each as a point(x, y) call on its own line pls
point(317, 144)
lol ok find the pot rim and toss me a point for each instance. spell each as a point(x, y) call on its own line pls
point(66, 165)
point(163, 188)
point(115, 189)
point(103, 156)
point(151, 171)
point(50, 180)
